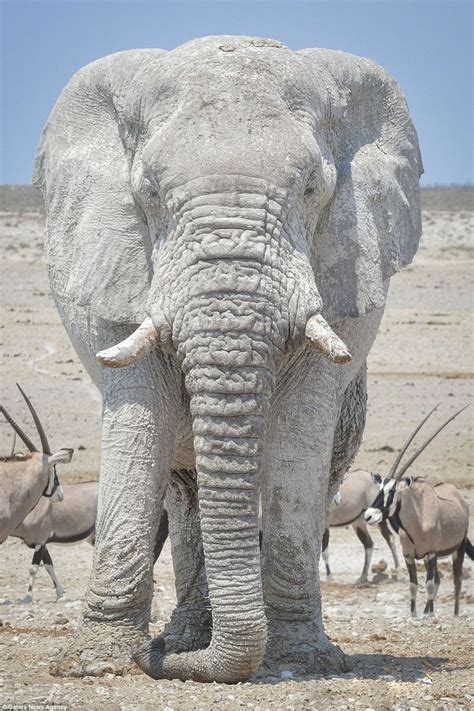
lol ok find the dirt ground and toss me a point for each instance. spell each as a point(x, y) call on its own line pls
point(423, 355)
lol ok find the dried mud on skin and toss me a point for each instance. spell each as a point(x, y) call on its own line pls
point(422, 356)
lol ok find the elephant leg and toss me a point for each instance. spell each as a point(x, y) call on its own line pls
point(349, 430)
point(294, 490)
point(138, 442)
point(190, 627)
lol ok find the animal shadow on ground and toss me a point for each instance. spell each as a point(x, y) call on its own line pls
point(375, 666)
point(402, 668)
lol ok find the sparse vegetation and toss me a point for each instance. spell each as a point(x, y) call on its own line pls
point(451, 198)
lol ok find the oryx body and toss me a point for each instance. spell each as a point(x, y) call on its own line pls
point(357, 492)
point(71, 522)
point(432, 522)
point(25, 479)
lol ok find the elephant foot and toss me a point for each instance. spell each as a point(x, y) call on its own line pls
point(189, 629)
point(303, 649)
point(98, 649)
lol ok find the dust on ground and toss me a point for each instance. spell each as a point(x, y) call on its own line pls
point(423, 355)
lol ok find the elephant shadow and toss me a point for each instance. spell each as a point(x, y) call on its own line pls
point(379, 666)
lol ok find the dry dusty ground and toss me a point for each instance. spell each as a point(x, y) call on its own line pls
point(422, 356)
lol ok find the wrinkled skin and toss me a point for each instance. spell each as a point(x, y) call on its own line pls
point(229, 190)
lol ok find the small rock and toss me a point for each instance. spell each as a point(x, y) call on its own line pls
point(380, 567)
point(286, 675)
point(61, 620)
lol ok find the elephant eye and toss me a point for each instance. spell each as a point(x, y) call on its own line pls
point(148, 191)
point(311, 185)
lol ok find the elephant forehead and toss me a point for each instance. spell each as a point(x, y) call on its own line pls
point(217, 69)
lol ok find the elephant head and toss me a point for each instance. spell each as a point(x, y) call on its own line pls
point(232, 197)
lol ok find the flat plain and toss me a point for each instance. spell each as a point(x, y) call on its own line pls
point(422, 356)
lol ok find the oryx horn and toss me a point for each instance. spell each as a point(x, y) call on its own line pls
point(12, 453)
point(133, 348)
point(25, 439)
point(321, 335)
point(408, 442)
point(44, 440)
point(423, 446)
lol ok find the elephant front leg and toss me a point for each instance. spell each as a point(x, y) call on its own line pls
point(294, 491)
point(190, 627)
point(137, 445)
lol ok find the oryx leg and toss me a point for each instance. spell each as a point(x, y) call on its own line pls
point(411, 566)
point(458, 559)
point(360, 527)
point(390, 539)
point(325, 553)
point(35, 564)
point(48, 564)
point(431, 570)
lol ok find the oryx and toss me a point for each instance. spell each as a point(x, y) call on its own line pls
point(356, 493)
point(432, 521)
point(25, 479)
point(71, 522)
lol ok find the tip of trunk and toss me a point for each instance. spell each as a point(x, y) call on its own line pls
point(202, 666)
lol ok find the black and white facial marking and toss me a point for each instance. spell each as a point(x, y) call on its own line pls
point(386, 501)
point(53, 490)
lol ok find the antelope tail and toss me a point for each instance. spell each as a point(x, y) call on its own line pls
point(469, 549)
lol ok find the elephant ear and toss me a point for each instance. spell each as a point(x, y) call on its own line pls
point(97, 245)
point(371, 227)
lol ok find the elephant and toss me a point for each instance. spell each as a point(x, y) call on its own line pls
point(223, 220)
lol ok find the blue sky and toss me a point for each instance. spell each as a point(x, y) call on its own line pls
point(425, 44)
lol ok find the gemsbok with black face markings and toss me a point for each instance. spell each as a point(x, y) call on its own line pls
point(26, 478)
point(73, 521)
point(355, 494)
point(432, 521)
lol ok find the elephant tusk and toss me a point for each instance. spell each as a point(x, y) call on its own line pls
point(321, 335)
point(133, 348)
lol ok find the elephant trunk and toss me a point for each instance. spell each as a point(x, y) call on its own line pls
point(235, 305)
point(228, 456)
point(229, 376)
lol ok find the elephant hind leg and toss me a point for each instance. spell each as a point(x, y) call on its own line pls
point(349, 429)
point(190, 627)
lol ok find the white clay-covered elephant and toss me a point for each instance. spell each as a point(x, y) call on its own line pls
point(224, 203)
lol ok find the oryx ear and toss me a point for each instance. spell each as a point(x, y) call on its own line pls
point(405, 483)
point(377, 479)
point(98, 236)
point(62, 457)
point(371, 226)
